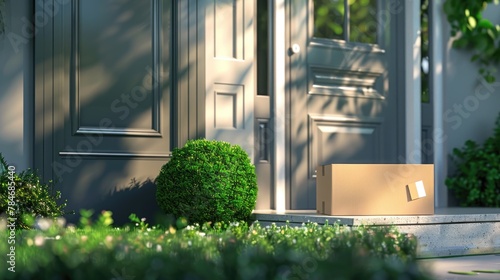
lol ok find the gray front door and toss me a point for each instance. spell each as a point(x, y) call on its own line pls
point(342, 88)
point(104, 102)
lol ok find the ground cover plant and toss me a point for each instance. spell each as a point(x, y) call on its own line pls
point(96, 250)
point(23, 196)
point(476, 181)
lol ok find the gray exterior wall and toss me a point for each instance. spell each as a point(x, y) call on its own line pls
point(470, 106)
point(16, 84)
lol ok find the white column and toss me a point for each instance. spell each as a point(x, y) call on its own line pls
point(279, 55)
point(412, 82)
point(436, 46)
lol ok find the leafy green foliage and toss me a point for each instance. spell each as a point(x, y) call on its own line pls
point(221, 251)
point(475, 32)
point(208, 181)
point(424, 48)
point(477, 180)
point(140, 223)
point(86, 218)
point(103, 220)
point(29, 198)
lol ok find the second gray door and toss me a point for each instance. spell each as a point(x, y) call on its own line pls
point(342, 92)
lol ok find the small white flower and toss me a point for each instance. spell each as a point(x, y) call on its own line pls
point(71, 227)
point(149, 244)
point(61, 222)
point(235, 224)
point(43, 224)
point(39, 240)
point(189, 243)
point(158, 248)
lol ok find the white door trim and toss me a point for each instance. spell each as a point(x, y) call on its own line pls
point(413, 126)
point(279, 113)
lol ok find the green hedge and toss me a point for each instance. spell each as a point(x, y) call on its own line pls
point(212, 252)
point(476, 182)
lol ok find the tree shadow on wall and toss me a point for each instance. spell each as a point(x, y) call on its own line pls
point(118, 84)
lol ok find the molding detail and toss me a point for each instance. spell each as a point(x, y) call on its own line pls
point(332, 124)
point(120, 131)
point(156, 71)
point(104, 154)
point(328, 81)
point(342, 45)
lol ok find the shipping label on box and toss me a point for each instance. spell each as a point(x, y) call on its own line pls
point(375, 189)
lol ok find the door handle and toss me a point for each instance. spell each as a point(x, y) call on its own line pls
point(295, 49)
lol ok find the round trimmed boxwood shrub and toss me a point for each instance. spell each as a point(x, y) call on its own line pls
point(208, 181)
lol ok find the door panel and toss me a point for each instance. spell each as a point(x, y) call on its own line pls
point(106, 70)
point(112, 103)
point(341, 102)
point(118, 76)
point(230, 72)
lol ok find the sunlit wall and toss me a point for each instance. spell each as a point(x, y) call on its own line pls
point(470, 105)
point(16, 83)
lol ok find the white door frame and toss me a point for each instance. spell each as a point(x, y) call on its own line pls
point(413, 89)
point(279, 111)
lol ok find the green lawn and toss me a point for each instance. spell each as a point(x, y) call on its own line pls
point(236, 251)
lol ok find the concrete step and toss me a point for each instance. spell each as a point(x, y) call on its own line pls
point(450, 232)
point(446, 268)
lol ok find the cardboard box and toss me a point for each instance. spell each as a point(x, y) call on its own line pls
point(375, 189)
